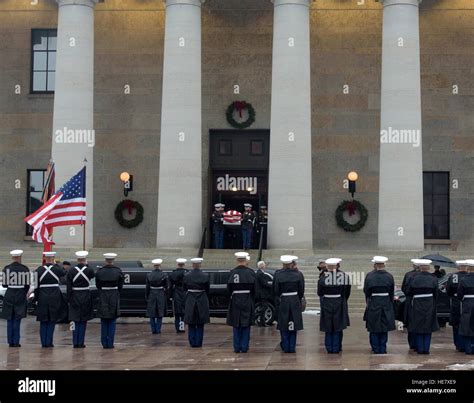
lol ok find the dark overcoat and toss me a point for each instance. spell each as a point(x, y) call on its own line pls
point(466, 295)
point(423, 290)
point(196, 286)
point(14, 302)
point(176, 279)
point(379, 288)
point(80, 303)
point(241, 287)
point(334, 288)
point(109, 281)
point(288, 289)
point(52, 305)
point(156, 293)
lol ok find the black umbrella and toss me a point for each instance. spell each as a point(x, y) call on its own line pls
point(440, 260)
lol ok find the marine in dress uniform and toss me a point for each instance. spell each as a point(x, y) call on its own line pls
point(288, 289)
point(51, 305)
point(422, 320)
point(455, 314)
point(241, 312)
point(334, 290)
point(16, 279)
point(466, 295)
point(156, 292)
point(196, 312)
point(178, 294)
point(218, 226)
point(407, 304)
point(379, 315)
point(263, 294)
point(249, 219)
point(109, 281)
point(79, 297)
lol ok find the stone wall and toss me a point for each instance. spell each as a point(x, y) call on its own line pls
point(237, 50)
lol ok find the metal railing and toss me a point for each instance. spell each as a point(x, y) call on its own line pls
point(260, 244)
point(203, 243)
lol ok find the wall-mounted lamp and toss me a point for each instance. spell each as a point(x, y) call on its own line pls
point(352, 177)
point(127, 180)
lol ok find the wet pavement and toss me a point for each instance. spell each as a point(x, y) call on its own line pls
point(137, 349)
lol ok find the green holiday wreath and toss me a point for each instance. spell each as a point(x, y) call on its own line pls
point(240, 106)
point(351, 206)
point(129, 205)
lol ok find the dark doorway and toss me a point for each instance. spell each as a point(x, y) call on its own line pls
point(436, 204)
point(239, 175)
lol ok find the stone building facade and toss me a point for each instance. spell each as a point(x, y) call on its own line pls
point(133, 100)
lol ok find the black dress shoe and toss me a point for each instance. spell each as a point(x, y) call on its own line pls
point(11, 345)
point(17, 345)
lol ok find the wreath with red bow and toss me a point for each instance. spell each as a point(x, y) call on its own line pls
point(239, 107)
point(351, 206)
point(129, 205)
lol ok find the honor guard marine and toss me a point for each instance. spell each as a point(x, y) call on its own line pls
point(196, 307)
point(79, 297)
point(156, 295)
point(379, 315)
point(16, 279)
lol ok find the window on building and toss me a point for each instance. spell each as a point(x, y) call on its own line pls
point(436, 204)
point(36, 181)
point(43, 60)
point(256, 147)
point(225, 147)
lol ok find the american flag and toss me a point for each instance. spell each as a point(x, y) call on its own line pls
point(71, 208)
point(232, 217)
point(66, 207)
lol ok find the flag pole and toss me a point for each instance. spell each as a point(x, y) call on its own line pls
point(82, 219)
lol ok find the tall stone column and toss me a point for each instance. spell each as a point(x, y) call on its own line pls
point(289, 193)
point(400, 224)
point(180, 177)
point(73, 120)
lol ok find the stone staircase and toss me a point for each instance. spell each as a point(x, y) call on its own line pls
point(356, 263)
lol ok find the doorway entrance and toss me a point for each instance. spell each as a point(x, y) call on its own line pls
point(239, 175)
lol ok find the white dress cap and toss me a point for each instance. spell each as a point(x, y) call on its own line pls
point(241, 255)
point(82, 254)
point(421, 262)
point(379, 259)
point(469, 262)
point(181, 260)
point(157, 261)
point(286, 259)
point(333, 261)
point(49, 254)
point(110, 255)
point(461, 262)
point(247, 205)
point(197, 260)
point(16, 252)
point(294, 258)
